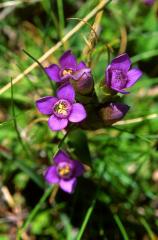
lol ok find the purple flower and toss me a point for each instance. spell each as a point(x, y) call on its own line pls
point(62, 108)
point(67, 69)
point(149, 2)
point(64, 172)
point(119, 76)
point(113, 112)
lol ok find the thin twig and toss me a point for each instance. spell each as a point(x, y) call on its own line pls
point(17, 2)
point(99, 7)
point(136, 120)
point(123, 43)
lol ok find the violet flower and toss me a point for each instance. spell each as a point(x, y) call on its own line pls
point(64, 172)
point(119, 76)
point(67, 69)
point(113, 112)
point(62, 108)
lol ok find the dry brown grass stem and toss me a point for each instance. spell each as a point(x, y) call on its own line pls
point(124, 122)
point(101, 131)
point(85, 22)
point(123, 43)
point(57, 46)
point(7, 196)
point(16, 2)
point(93, 36)
point(136, 120)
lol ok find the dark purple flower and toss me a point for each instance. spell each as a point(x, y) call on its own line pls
point(119, 76)
point(68, 68)
point(62, 108)
point(64, 172)
point(149, 2)
point(113, 112)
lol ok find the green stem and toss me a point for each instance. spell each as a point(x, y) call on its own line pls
point(61, 17)
point(15, 123)
point(86, 219)
point(41, 66)
point(147, 227)
point(121, 227)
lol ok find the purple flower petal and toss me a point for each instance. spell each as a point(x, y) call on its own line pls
point(108, 75)
point(113, 112)
point(66, 92)
point(57, 124)
point(79, 169)
point(81, 65)
point(133, 76)
point(68, 185)
point(120, 91)
point(121, 62)
point(66, 78)
point(118, 110)
point(82, 73)
point(53, 72)
point(61, 156)
point(45, 104)
point(68, 61)
point(51, 175)
point(83, 83)
point(78, 113)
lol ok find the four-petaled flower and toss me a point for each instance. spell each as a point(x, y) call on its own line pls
point(119, 76)
point(68, 69)
point(62, 108)
point(64, 172)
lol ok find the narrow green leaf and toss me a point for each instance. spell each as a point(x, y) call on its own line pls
point(86, 219)
point(121, 227)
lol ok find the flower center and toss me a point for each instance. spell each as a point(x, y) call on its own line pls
point(119, 79)
point(64, 170)
point(62, 108)
point(66, 72)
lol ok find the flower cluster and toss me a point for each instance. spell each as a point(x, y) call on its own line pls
point(76, 102)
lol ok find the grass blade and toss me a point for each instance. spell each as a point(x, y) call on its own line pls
point(61, 17)
point(121, 227)
point(147, 228)
point(41, 66)
point(30, 172)
point(86, 219)
point(15, 123)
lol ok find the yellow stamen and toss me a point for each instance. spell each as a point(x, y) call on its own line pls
point(61, 108)
point(66, 72)
point(64, 170)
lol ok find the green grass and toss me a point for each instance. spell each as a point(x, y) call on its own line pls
point(117, 196)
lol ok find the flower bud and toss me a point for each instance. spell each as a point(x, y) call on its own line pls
point(83, 81)
point(113, 112)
